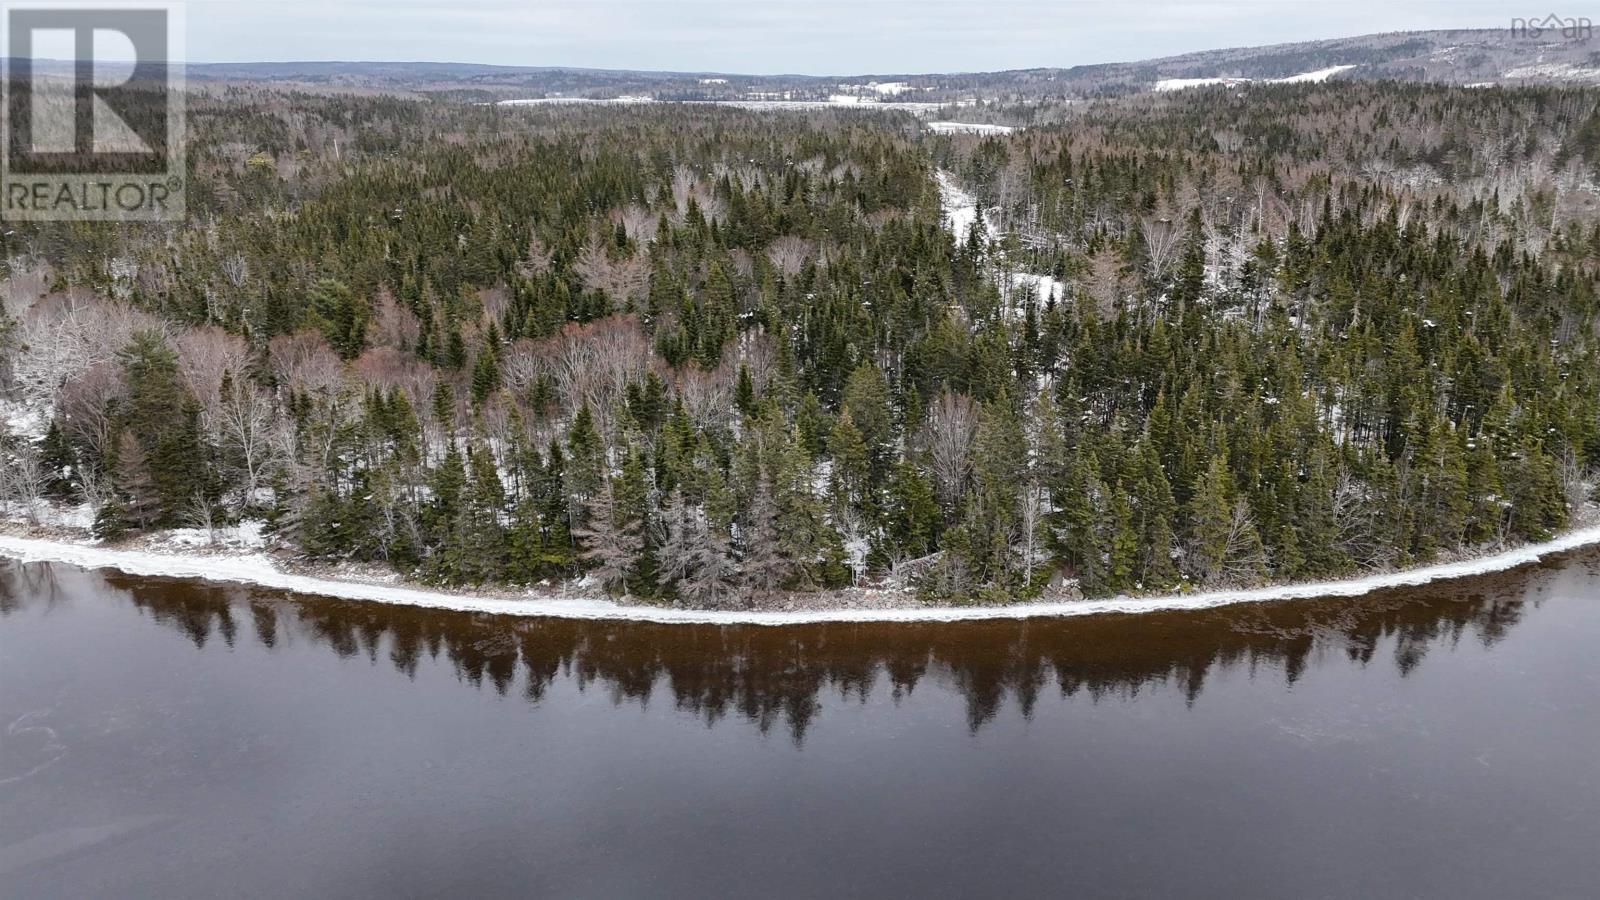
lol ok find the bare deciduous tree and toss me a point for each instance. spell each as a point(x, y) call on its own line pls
point(625, 281)
point(393, 325)
point(85, 405)
point(537, 259)
point(707, 395)
point(250, 436)
point(495, 301)
point(521, 365)
point(947, 434)
point(391, 369)
point(595, 363)
point(1162, 239)
point(22, 480)
point(206, 357)
point(1354, 516)
point(789, 254)
point(63, 335)
point(24, 286)
point(304, 362)
point(638, 222)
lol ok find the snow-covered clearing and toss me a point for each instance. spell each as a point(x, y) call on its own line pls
point(960, 211)
point(969, 128)
point(259, 570)
point(960, 208)
point(1178, 84)
point(1316, 77)
point(1563, 71)
point(834, 101)
point(573, 101)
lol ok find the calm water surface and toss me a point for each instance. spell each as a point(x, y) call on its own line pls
point(163, 738)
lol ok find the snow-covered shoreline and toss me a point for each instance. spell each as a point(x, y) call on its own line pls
point(260, 571)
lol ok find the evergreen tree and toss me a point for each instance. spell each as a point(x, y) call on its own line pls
point(160, 462)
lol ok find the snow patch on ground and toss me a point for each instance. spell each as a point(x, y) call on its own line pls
point(48, 515)
point(1043, 287)
point(960, 208)
point(27, 422)
point(960, 211)
point(259, 569)
point(247, 535)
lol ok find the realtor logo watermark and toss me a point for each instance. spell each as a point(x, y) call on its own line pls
point(1573, 28)
point(94, 118)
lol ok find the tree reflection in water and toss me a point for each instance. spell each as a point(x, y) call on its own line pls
point(769, 675)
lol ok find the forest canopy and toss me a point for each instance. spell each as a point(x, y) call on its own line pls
point(715, 357)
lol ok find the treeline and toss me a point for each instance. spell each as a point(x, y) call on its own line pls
point(710, 357)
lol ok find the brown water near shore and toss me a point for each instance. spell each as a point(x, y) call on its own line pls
point(171, 738)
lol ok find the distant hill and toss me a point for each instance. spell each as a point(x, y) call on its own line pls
point(1462, 57)
point(1477, 57)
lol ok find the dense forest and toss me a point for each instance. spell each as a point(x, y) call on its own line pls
point(717, 357)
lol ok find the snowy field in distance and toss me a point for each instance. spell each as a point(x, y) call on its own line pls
point(1316, 77)
point(837, 101)
point(968, 128)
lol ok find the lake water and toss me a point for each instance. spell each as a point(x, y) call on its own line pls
point(163, 738)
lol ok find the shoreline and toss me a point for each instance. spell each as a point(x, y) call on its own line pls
point(259, 570)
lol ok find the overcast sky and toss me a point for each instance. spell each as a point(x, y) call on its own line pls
point(796, 36)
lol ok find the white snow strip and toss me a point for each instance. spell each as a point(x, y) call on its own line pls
point(1178, 84)
point(834, 101)
point(968, 128)
point(1562, 71)
point(571, 101)
point(259, 570)
point(1318, 76)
